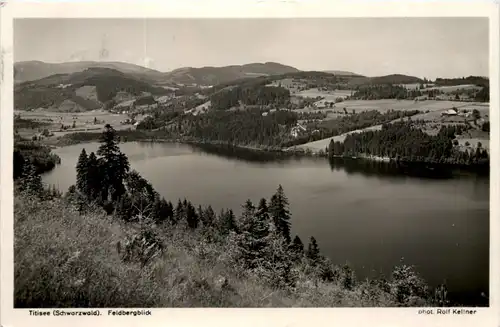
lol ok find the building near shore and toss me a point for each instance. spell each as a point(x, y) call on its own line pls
point(450, 112)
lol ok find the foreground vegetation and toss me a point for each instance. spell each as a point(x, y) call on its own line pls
point(112, 241)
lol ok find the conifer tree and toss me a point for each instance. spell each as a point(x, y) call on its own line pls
point(227, 222)
point(208, 216)
point(124, 208)
point(263, 211)
point(280, 214)
point(252, 240)
point(277, 262)
point(114, 164)
point(348, 277)
point(140, 188)
point(82, 172)
point(179, 212)
point(93, 177)
point(191, 216)
point(297, 246)
point(313, 251)
point(31, 180)
point(200, 213)
point(161, 211)
point(18, 166)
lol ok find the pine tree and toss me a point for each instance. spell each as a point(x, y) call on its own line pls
point(200, 213)
point(82, 172)
point(277, 263)
point(227, 222)
point(297, 246)
point(280, 214)
point(162, 211)
point(31, 180)
point(140, 188)
point(124, 208)
point(348, 277)
point(93, 177)
point(114, 164)
point(253, 238)
point(313, 251)
point(263, 211)
point(191, 216)
point(18, 166)
point(208, 217)
point(179, 212)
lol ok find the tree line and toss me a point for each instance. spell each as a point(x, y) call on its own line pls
point(475, 80)
point(253, 95)
point(385, 91)
point(347, 123)
point(404, 141)
point(244, 127)
point(32, 153)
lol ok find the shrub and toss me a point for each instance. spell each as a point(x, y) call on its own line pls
point(407, 286)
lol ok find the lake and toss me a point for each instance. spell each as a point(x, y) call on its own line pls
point(371, 215)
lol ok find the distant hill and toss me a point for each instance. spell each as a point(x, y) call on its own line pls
point(80, 91)
point(35, 70)
point(387, 79)
point(343, 73)
point(218, 75)
point(474, 80)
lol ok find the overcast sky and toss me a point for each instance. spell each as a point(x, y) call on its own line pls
point(424, 47)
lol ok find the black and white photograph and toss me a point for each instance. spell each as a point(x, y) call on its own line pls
point(338, 162)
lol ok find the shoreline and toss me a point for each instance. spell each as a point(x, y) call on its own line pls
point(292, 152)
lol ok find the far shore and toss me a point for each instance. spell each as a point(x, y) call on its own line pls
point(292, 152)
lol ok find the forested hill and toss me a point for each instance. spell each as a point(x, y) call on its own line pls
point(35, 70)
point(90, 89)
point(218, 75)
point(473, 80)
point(406, 142)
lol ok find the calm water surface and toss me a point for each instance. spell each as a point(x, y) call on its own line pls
point(369, 215)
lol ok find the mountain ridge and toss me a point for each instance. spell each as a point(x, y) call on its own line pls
point(35, 70)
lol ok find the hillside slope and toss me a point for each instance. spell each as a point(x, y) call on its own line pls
point(35, 70)
point(343, 73)
point(394, 79)
point(217, 75)
point(65, 259)
point(89, 89)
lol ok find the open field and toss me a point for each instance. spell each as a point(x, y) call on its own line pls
point(453, 88)
point(84, 121)
point(384, 105)
point(435, 108)
point(390, 104)
point(199, 109)
point(328, 95)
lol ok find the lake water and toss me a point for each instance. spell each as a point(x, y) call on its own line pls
point(371, 215)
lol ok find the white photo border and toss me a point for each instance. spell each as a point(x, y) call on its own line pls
point(243, 9)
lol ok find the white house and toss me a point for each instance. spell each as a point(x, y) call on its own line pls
point(296, 130)
point(450, 112)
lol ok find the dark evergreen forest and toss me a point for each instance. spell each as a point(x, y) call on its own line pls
point(403, 141)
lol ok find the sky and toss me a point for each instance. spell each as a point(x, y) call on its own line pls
point(422, 47)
